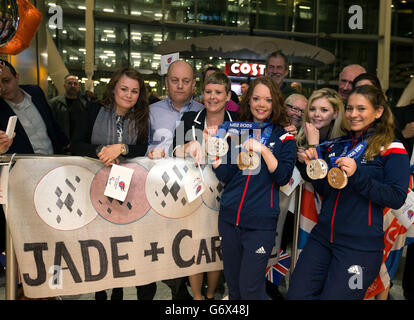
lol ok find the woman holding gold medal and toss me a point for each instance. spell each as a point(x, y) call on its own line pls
point(369, 171)
point(249, 205)
point(195, 126)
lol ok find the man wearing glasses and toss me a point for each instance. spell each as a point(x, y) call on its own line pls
point(295, 107)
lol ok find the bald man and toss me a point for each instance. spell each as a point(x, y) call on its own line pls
point(165, 114)
point(346, 77)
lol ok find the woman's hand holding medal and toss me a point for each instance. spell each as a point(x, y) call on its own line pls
point(194, 149)
point(315, 168)
point(338, 176)
point(250, 159)
point(346, 164)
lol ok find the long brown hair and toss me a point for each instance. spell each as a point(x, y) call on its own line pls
point(279, 115)
point(384, 126)
point(139, 113)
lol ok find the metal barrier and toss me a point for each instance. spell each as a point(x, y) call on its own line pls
point(11, 268)
point(298, 203)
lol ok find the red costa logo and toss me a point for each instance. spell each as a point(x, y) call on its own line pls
point(245, 69)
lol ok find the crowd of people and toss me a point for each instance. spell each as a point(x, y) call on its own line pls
point(352, 132)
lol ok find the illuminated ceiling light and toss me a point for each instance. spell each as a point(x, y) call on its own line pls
point(82, 29)
point(81, 7)
point(136, 13)
point(108, 10)
point(108, 31)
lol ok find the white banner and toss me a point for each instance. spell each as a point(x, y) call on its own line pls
point(70, 239)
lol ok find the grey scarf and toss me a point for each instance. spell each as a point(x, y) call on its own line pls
point(112, 129)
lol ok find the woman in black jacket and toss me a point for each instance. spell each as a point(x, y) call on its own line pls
point(112, 129)
point(118, 124)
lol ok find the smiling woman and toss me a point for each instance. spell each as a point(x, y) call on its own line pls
point(117, 126)
point(114, 129)
point(197, 126)
point(323, 118)
point(249, 205)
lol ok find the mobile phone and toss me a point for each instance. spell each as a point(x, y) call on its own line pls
point(10, 126)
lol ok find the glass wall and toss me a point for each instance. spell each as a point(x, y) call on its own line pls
point(139, 26)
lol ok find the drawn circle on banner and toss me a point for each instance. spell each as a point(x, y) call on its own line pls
point(135, 205)
point(61, 198)
point(214, 188)
point(165, 189)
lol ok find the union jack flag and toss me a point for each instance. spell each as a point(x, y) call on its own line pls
point(276, 272)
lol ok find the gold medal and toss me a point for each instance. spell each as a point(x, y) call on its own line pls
point(248, 160)
point(337, 178)
point(243, 160)
point(317, 169)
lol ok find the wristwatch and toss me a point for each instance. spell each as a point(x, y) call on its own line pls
point(124, 149)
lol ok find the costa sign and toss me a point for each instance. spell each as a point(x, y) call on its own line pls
point(245, 69)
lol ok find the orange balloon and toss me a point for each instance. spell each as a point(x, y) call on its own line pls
point(30, 19)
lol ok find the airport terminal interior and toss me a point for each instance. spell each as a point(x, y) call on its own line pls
point(93, 38)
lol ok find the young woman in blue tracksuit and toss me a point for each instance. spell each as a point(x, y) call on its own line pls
point(249, 203)
point(343, 254)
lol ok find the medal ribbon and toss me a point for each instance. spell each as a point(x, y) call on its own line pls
point(355, 153)
point(240, 127)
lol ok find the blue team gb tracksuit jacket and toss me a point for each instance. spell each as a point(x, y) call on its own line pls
point(353, 216)
point(251, 198)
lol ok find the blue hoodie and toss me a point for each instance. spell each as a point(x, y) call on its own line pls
point(251, 198)
point(353, 216)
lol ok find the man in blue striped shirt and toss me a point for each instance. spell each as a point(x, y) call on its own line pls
point(165, 114)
